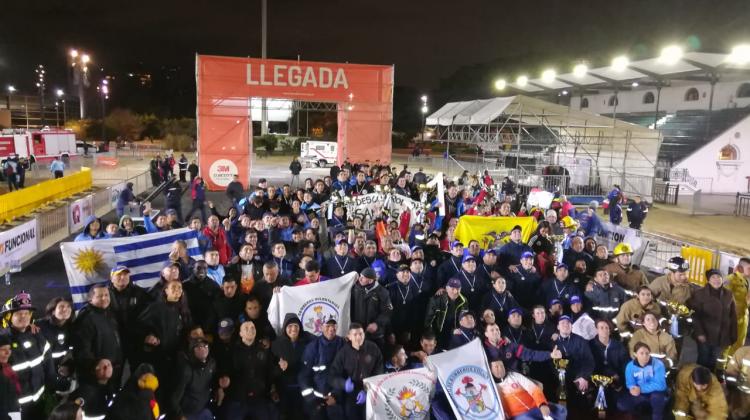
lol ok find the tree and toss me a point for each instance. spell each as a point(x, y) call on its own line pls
point(125, 124)
point(268, 142)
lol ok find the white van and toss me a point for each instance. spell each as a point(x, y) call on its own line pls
point(318, 153)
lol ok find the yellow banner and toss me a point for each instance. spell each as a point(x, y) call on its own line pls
point(486, 229)
point(23, 202)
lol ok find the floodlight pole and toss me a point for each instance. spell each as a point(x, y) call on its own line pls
point(264, 54)
point(658, 99)
point(714, 79)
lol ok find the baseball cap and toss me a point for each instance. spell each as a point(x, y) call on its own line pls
point(517, 227)
point(171, 212)
point(518, 311)
point(226, 326)
point(575, 299)
point(403, 267)
point(712, 272)
point(678, 264)
point(456, 243)
point(455, 283)
point(464, 313)
point(527, 254)
point(468, 257)
point(119, 269)
point(555, 302)
point(561, 265)
point(416, 248)
point(331, 321)
point(341, 241)
point(492, 251)
point(565, 318)
point(369, 273)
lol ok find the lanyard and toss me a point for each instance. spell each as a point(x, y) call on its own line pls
point(454, 264)
point(471, 283)
point(501, 305)
point(465, 336)
point(539, 336)
point(343, 268)
point(419, 284)
point(606, 349)
point(280, 263)
point(484, 267)
point(558, 290)
point(561, 343)
point(403, 296)
point(513, 336)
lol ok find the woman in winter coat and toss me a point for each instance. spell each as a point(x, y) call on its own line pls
point(163, 324)
point(714, 320)
point(56, 329)
point(288, 350)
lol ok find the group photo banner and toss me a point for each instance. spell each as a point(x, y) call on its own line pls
point(314, 304)
point(405, 394)
point(367, 205)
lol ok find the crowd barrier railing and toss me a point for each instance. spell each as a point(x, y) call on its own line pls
point(22, 202)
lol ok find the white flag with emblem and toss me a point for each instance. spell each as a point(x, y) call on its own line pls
point(314, 304)
point(467, 382)
point(400, 395)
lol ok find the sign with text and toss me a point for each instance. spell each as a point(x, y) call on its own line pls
point(18, 244)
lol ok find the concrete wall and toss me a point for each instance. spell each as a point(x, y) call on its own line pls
point(672, 99)
point(726, 176)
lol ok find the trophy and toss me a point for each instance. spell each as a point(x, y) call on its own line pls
point(740, 379)
point(561, 365)
point(677, 312)
point(600, 404)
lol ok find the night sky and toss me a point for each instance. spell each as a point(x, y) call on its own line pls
point(428, 41)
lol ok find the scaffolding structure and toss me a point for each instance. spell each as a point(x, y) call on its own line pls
point(535, 141)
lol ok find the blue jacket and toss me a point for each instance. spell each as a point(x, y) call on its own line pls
point(86, 236)
point(316, 363)
point(590, 223)
point(510, 253)
point(615, 214)
point(578, 351)
point(650, 378)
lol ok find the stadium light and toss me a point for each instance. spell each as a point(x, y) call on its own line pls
point(634, 84)
point(85, 59)
point(74, 53)
point(424, 98)
point(580, 70)
point(548, 76)
point(11, 88)
point(620, 63)
point(671, 55)
point(425, 109)
point(500, 84)
point(740, 54)
point(59, 92)
point(522, 80)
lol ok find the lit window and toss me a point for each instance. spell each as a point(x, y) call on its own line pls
point(691, 95)
point(728, 152)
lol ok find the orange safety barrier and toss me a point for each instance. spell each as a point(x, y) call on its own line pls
point(701, 260)
point(22, 202)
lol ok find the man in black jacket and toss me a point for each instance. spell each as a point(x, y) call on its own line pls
point(96, 335)
point(443, 310)
point(357, 360)
point(194, 378)
point(371, 306)
point(127, 301)
point(320, 403)
point(201, 292)
point(235, 190)
point(287, 350)
point(248, 383)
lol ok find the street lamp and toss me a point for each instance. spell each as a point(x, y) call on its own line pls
point(11, 89)
point(424, 110)
point(104, 91)
point(548, 76)
point(580, 70)
point(78, 61)
point(620, 63)
point(60, 96)
point(522, 80)
point(500, 84)
point(740, 55)
point(40, 73)
point(670, 55)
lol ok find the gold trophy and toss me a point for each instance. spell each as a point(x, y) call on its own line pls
point(601, 381)
point(561, 365)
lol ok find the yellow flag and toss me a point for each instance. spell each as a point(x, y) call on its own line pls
point(486, 229)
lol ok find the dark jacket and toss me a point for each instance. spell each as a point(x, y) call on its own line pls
point(133, 402)
point(500, 303)
point(525, 287)
point(337, 266)
point(295, 167)
point(224, 307)
point(577, 350)
point(32, 362)
point(609, 360)
point(235, 191)
point(193, 382)
point(126, 306)
point(250, 371)
point(200, 295)
point(442, 314)
point(291, 351)
point(96, 336)
point(165, 321)
point(96, 396)
point(449, 268)
point(605, 302)
point(715, 315)
point(8, 397)
point(316, 364)
point(512, 354)
point(406, 315)
point(371, 304)
point(355, 364)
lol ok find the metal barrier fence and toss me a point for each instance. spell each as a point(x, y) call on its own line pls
point(742, 205)
point(666, 193)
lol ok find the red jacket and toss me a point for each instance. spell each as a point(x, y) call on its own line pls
point(219, 241)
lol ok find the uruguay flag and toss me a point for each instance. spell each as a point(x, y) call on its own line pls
point(89, 262)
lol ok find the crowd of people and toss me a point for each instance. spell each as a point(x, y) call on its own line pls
point(198, 344)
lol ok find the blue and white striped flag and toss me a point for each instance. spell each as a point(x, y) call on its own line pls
point(90, 262)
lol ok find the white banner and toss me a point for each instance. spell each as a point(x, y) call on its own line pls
point(16, 244)
point(366, 205)
point(314, 304)
point(79, 211)
point(90, 262)
point(114, 193)
point(613, 235)
point(466, 379)
point(400, 395)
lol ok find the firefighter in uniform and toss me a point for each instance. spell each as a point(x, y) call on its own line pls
point(738, 283)
point(31, 357)
point(673, 286)
point(623, 272)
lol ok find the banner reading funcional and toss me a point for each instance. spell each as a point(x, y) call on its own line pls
point(314, 304)
point(17, 244)
point(400, 395)
point(465, 376)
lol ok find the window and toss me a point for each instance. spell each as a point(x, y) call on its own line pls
point(320, 147)
point(613, 101)
point(691, 95)
point(648, 98)
point(585, 103)
point(744, 91)
point(728, 152)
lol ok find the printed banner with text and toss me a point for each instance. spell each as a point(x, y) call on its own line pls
point(17, 244)
point(314, 304)
point(400, 395)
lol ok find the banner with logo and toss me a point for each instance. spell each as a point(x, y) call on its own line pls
point(400, 395)
point(17, 244)
point(314, 304)
point(365, 206)
point(486, 229)
point(467, 382)
point(79, 211)
point(611, 235)
point(114, 193)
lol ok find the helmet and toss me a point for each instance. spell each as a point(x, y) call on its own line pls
point(21, 301)
point(623, 248)
point(678, 264)
point(569, 223)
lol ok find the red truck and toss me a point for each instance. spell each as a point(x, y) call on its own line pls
point(37, 146)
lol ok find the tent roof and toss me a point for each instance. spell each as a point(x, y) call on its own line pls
point(533, 111)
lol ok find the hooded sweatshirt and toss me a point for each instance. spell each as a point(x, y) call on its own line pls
point(291, 351)
point(85, 235)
